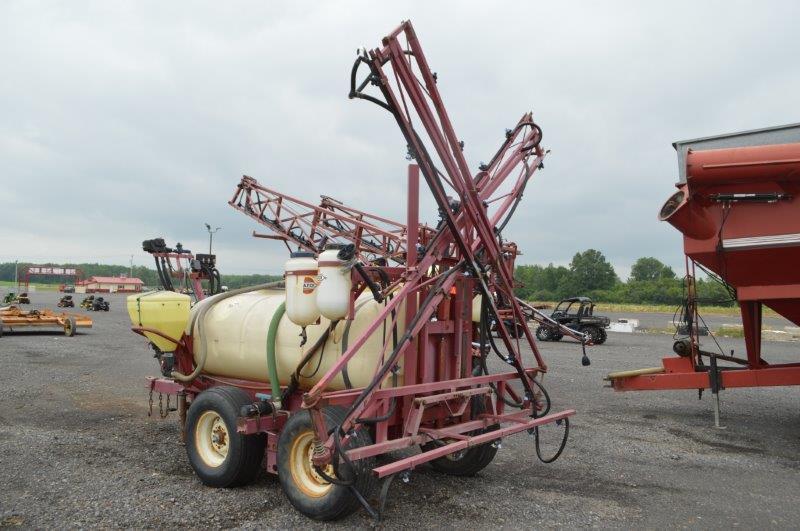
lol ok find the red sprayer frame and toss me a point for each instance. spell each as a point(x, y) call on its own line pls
point(439, 272)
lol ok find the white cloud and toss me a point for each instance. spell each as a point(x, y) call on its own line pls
point(126, 121)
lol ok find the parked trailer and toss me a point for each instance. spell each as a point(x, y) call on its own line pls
point(378, 340)
point(738, 208)
point(13, 318)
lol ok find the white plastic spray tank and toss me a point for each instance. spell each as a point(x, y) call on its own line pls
point(301, 285)
point(333, 293)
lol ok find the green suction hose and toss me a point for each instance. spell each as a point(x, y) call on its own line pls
point(272, 367)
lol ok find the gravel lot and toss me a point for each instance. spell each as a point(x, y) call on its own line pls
point(80, 451)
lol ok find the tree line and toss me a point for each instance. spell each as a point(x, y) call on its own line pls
point(590, 274)
point(146, 274)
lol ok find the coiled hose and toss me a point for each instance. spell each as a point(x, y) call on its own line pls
point(198, 319)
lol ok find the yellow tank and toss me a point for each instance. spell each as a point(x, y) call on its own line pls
point(235, 332)
point(165, 311)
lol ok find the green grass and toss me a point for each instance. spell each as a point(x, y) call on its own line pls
point(723, 331)
point(9, 285)
point(601, 307)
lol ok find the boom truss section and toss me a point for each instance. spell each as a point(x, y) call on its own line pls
point(311, 227)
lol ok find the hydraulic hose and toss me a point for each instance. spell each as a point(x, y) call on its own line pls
point(198, 319)
point(272, 367)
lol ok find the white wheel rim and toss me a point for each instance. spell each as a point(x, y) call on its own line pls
point(305, 476)
point(211, 439)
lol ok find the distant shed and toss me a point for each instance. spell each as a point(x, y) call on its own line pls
point(109, 285)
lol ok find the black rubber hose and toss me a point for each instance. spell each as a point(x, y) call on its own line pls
point(356, 92)
point(295, 377)
point(484, 333)
point(373, 286)
point(517, 201)
point(560, 448)
point(375, 420)
point(167, 269)
point(159, 273)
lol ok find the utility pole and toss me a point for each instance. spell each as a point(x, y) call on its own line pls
point(130, 275)
point(16, 267)
point(211, 236)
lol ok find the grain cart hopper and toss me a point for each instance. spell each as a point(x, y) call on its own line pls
point(738, 209)
point(371, 344)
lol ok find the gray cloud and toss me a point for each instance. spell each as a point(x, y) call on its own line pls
point(121, 122)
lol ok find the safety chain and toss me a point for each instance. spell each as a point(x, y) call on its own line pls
point(162, 411)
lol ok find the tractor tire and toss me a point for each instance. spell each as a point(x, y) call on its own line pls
point(306, 489)
point(70, 326)
point(515, 330)
point(544, 333)
point(219, 455)
point(470, 461)
point(597, 334)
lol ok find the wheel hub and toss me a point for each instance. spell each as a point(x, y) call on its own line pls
point(304, 473)
point(212, 439)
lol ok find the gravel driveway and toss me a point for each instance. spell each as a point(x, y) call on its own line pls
point(80, 451)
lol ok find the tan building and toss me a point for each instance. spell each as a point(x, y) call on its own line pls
point(109, 285)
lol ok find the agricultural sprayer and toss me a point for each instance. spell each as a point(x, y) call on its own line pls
point(377, 340)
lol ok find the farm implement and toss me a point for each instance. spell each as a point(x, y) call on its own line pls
point(13, 319)
point(378, 338)
point(737, 207)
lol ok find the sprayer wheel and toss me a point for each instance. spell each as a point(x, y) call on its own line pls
point(470, 461)
point(219, 455)
point(305, 487)
point(515, 330)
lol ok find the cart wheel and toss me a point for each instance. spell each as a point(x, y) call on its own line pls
point(305, 487)
point(69, 326)
point(219, 455)
point(1, 328)
point(602, 337)
point(470, 461)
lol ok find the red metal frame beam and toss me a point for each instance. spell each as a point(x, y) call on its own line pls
point(770, 376)
point(311, 226)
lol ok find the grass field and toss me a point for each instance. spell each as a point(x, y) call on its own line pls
point(9, 285)
point(661, 308)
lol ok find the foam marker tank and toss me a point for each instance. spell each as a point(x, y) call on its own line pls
point(301, 283)
point(333, 293)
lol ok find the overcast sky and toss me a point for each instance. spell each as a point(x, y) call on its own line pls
point(121, 121)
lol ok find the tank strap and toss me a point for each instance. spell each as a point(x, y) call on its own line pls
point(345, 336)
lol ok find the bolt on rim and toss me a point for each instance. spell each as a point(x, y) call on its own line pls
point(304, 474)
point(212, 439)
